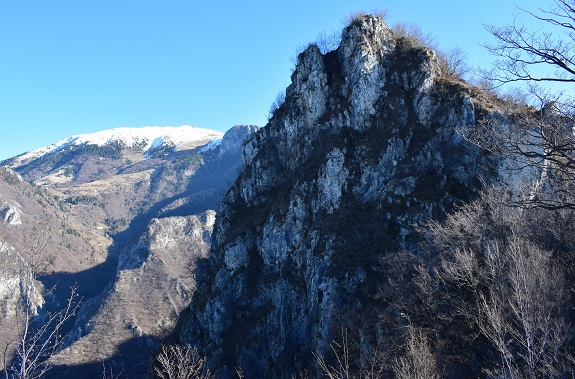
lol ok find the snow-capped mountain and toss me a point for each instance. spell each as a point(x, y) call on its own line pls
point(147, 138)
point(125, 213)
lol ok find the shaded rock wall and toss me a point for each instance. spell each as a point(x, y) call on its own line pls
point(363, 151)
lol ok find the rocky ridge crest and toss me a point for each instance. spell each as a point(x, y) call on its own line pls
point(363, 151)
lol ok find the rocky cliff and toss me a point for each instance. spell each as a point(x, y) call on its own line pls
point(364, 150)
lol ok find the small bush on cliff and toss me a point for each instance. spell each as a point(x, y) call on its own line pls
point(278, 102)
point(177, 362)
point(414, 35)
point(418, 361)
point(382, 13)
point(452, 62)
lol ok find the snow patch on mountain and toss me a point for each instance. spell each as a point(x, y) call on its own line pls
point(212, 145)
point(149, 137)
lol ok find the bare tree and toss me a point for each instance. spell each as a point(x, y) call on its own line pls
point(343, 354)
point(177, 362)
point(543, 55)
point(511, 292)
point(40, 337)
point(418, 362)
point(539, 137)
point(522, 314)
point(536, 150)
point(348, 364)
point(35, 335)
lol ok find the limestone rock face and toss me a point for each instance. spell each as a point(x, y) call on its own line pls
point(18, 287)
point(20, 295)
point(10, 214)
point(234, 138)
point(363, 151)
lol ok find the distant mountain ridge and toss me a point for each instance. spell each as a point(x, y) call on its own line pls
point(147, 138)
point(125, 213)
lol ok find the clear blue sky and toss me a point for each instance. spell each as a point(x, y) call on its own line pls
point(71, 67)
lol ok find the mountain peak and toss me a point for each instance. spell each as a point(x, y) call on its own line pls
point(361, 154)
point(146, 138)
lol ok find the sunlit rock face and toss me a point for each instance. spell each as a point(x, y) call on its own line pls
point(10, 214)
point(364, 150)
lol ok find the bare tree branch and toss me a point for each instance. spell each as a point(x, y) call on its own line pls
point(523, 54)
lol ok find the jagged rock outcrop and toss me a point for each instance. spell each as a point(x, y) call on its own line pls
point(364, 150)
point(234, 139)
point(10, 214)
point(18, 287)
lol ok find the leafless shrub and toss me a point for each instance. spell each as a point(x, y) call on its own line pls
point(381, 13)
point(522, 316)
point(509, 289)
point(485, 85)
point(301, 375)
point(414, 35)
point(108, 373)
point(328, 41)
point(348, 364)
point(325, 41)
point(40, 338)
point(515, 95)
point(453, 62)
point(177, 362)
point(353, 17)
point(418, 362)
point(278, 102)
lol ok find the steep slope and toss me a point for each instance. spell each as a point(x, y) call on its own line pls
point(121, 214)
point(124, 325)
point(153, 282)
point(19, 293)
point(35, 237)
point(37, 224)
point(363, 151)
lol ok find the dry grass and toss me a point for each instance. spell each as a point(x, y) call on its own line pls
point(381, 13)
